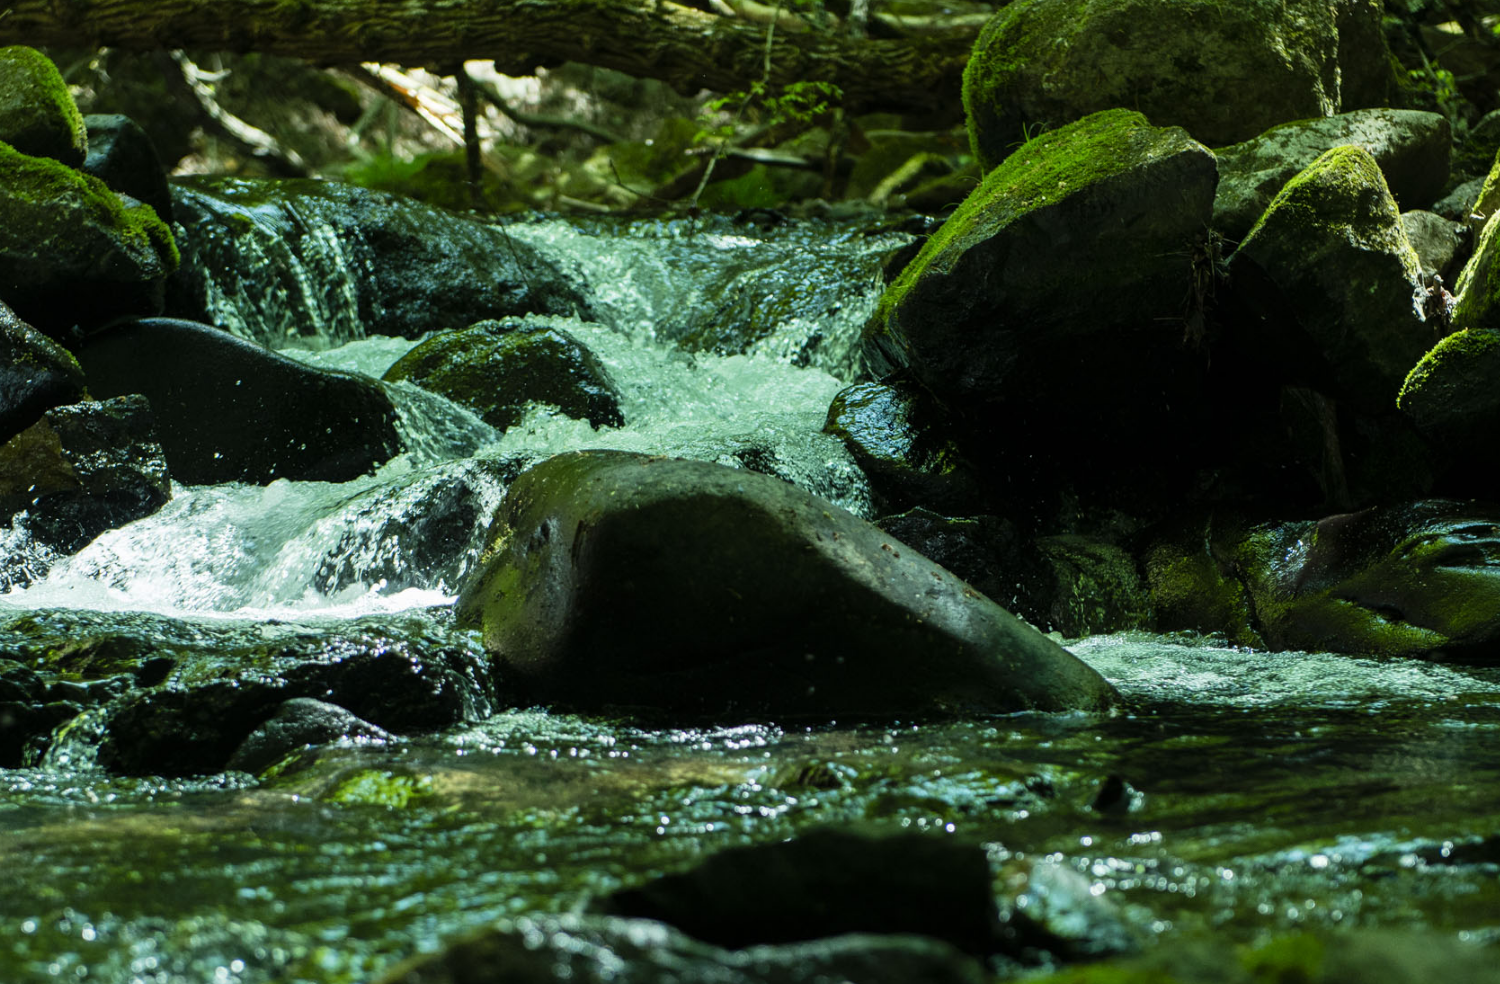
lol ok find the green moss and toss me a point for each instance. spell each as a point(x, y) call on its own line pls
point(377, 787)
point(38, 96)
point(1344, 190)
point(1478, 287)
point(1453, 355)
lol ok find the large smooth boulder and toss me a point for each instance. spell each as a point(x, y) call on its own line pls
point(1340, 286)
point(699, 591)
point(1223, 71)
point(37, 113)
point(276, 260)
point(36, 374)
point(500, 368)
point(72, 252)
point(228, 410)
point(1058, 298)
point(1411, 147)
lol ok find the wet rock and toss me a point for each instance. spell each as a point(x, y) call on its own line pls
point(1416, 580)
point(298, 723)
point(1068, 271)
point(83, 469)
point(228, 410)
point(1440, 244)
point(1223, 73)
point(901, 442)
point(1189, 570)
point(1452, 398)
point(1411, 147)
point(28, 712)
point(680, 587)
point(123, 157)
point(275, 260)
point(591, 949)
point(827, 883)
point(986, 551)
point(1049, 907)
point(1330, 250)
point(1097, 588)
point(500, 368)
point(36, 374)
point(37, 114)
point(72, 252)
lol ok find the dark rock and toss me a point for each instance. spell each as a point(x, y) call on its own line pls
point(1458, 204)
point(986, 551)
point(585, 949)
point(28, 714)
point(1223, 73)
point(72, 251)
point(499, 368)
point(1189, 569)
point(1411, 147)
point(827, 883)
point(1475, 154)
point(1452, 399)
point(228, 410)
point(1331, 250)
point(37, 114)
point(901, 441)
point(300, 722)
point(123, 157)
point(661, 585)
point(274, 260)
point(83, 469)
point(1096, 587)
point(1440, 244)
point(36, 374)
point(1417, 580)
point(1070, 270)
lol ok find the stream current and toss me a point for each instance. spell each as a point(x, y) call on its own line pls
point(1244, 794)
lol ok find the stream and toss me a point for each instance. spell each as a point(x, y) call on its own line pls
point(1241, 795)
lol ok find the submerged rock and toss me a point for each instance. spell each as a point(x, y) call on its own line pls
point(298, 723)
point(123, 157)
point(36, 374)
point(228, 410)
point(37, 114)
point(1411, 147)
point(1223, 72)
point(500, 368)
point(680, 587)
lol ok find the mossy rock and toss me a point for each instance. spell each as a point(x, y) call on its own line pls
point(123, 157)
point(1330, 254)
point(1097, 587)
point(72, 251)
point(1452, 399)
point(37, 114)
point(686, 590)
point(500, 368)
point(36, 374)
point(1189, 571)
point(1478, 287)
point(1223, 71)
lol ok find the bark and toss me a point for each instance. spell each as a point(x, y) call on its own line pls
point(687, 48)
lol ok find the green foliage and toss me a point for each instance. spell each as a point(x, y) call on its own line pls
point(799, 102)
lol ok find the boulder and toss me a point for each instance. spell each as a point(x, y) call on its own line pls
point(1452, 399)
point(228, 410)
point(274, 260)
point(72, 251)
point(299, 723)
point(1223, 72)
point(500, 368)
point(1477, 291)
point(37, 114)
point(36, 374)
point(83, 469)
point(688, 589)
point(1411, 147)
point(123, 157)
point(987, 552)
point(30, 708)
point(1096, 587)
point(1331, 266)
point(1057, 300)
point(1440, 245)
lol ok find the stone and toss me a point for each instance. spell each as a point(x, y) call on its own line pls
point(988, 552)
point(1332, 265)
point(29, 711)
point(1069, 270)
point(1223, 72)
point(1477, 290)
point(1411, 147)
point(1452, 399)
point(83, 469)
point(1096, 587)
point(685, 589)
point(299, 723)
point(37, 114)
point(123, 157)
point(500, 368)
point(36, 374)
point(72, 252)
point(1439, 243)
point(228, 410)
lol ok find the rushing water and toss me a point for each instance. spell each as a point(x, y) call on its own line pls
point(1243, 793)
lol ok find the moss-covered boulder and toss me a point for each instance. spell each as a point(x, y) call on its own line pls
point(500, 368)
point(228, 410)
point(83, 469)
point(72, 252)
point(1096, 587)
point(123, 157)
point(1417, 580)
point(36, 374)
point(1058, 296)
point(1452, 397)
point(37, 113)
point(1223, 71)
point(1331, 269)
point(692, 590)
point(904, 446)
point(1189, 570)
point(1478, 288)
point(1411, 147)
